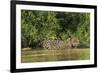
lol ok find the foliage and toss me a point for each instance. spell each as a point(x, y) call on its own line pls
point(39, 25)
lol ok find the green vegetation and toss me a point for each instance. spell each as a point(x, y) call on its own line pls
point(39, 25)
point(54, 55)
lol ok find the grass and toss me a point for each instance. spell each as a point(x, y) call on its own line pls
point(31, 55)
